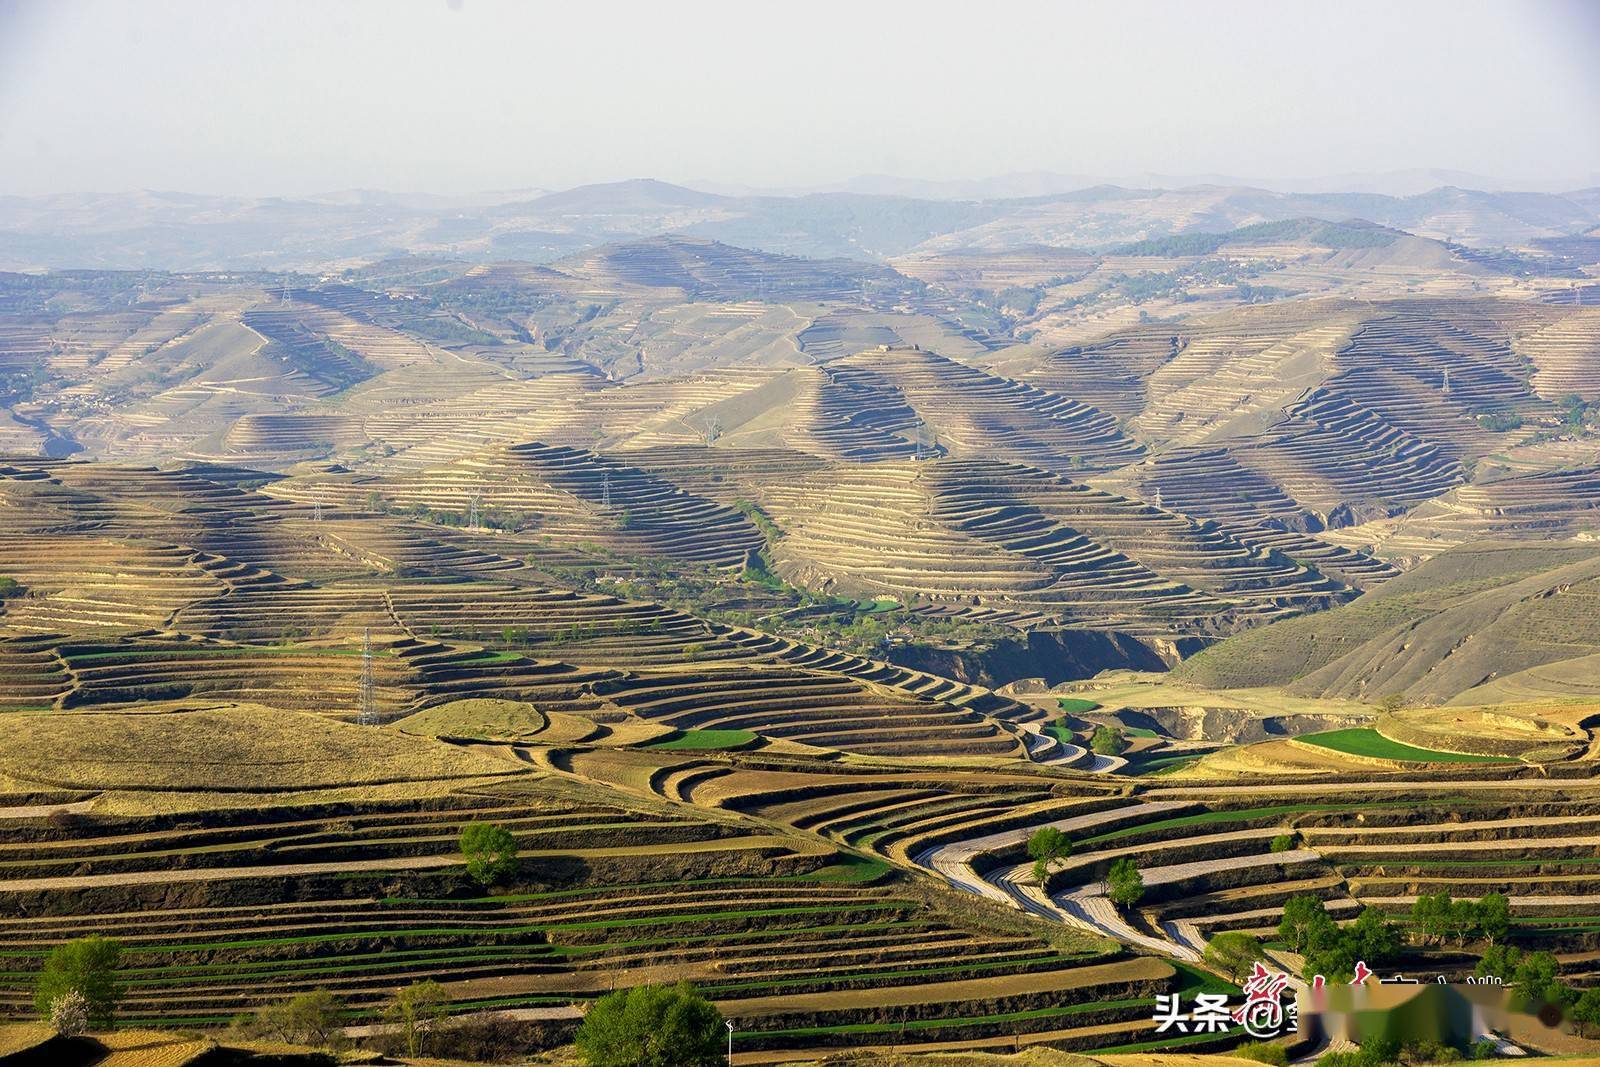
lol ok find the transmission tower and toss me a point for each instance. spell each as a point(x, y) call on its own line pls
point(368, 715)
point(472, 511)
point(284, 296)
point(919, 441)
point(316, 514)
point(1447, 381)
point(1158, 496)
point(713, 429)
point(605, 488)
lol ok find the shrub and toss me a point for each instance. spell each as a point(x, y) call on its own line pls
point(88, 967)
point(1107, 741)
point(1500, 423)
point(652, 1026)
point(1124, 883)
point(490, 852)
point(1262, 1052)
point(69, 1014)
point(1283, 843)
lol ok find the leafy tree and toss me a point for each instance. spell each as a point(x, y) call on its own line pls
point(652, 1026)
point(1301, 915)
point(1107, 741)
point(1586, 1012)
point(1047, 845)
point(1283, 843)
point(420, 1009)
point(1233, 952)
point(311, 1018)
point(1124, 883)
point(1429, 911)
point(1333, 951)
point(1499, 961)
point(87, 966)
point(1535, 975)
point(1494, 917)
point(1373, 938)
point(490, 852)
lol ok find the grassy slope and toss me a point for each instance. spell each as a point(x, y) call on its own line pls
point(1396, 638)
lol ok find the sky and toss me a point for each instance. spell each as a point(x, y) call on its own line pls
point(290, 98)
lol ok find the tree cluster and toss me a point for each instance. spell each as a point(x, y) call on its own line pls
point(1332, 950)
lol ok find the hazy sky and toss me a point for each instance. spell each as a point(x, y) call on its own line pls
point(287, 97)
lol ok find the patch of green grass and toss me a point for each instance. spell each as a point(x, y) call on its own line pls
point(1139, 731)
point(1366, 741)
point(1206, 818)
point(1162, 764)
point(704, 740)
point(1061, 732)
point(1075, 705)
point(849, 870)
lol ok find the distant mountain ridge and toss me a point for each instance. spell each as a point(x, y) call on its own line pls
point(179, 231)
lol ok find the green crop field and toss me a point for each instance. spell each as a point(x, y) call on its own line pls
point(1365, 741)
point(704, 740)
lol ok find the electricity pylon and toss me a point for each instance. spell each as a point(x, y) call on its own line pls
point(368, 716)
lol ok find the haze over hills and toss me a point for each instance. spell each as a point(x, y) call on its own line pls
point(175, 231)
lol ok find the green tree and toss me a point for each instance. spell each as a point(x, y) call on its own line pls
point(1494, 917)
point(490, 852)
point(1283, 843)
point(1047, 846)
point(1301, 914)
point(1233, 952)
point(420, 1009)
point(311, 1018)
point(88, 966)
point(1429, 912)
point(652, 1026)
point(1124, 883)
point(1586, 1012)
point(1460, 919)
point(1107, 741)
point(1499, 961)
point(1372, 937)
point(1535, 974)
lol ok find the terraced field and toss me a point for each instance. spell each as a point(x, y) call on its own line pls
point(761, 600)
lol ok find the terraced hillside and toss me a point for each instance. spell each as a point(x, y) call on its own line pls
point(324, 880)
point(1018, 538)
point(133, 608)
point(1471, 619)
point(833, 848)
